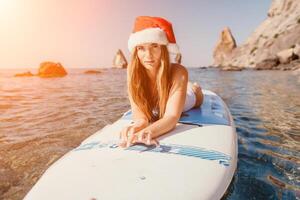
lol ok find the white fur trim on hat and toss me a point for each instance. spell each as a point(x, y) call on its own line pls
point(173, 48)
point(149, 35)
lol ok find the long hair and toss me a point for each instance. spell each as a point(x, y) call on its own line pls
point(139, 85)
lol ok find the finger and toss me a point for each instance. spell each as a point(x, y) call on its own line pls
point(150, 141)
point(134, 139)
point(123, 134)
point(155, 142)
point(141, 136)
point(122, 144)
point(131, 141)
point(130, 138)
point(133, 129)
point(148, 138)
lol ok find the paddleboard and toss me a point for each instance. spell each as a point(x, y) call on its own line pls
point(196, 160)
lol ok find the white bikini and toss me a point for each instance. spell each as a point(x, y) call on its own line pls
point(190, 99)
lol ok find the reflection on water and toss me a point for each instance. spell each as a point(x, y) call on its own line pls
point(42, 119)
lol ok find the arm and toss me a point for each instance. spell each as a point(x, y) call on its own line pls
point(138, 116)
point(174, 106)
point(140, 121)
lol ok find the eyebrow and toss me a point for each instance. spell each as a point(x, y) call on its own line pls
point(150, 44)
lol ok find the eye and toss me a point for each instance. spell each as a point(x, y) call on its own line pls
point(139, 48)
point(154, 45)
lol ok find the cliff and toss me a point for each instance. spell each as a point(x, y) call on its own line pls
point(275, 42)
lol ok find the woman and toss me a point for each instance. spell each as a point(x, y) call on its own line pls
point(158, 89)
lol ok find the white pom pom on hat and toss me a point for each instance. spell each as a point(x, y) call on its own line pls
point(153, 30)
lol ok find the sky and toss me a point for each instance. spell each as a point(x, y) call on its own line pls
point(88, 33)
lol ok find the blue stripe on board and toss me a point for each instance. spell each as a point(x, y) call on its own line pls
point(164, 148)
point(213, 111)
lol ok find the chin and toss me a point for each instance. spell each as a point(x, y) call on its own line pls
point(149, 66)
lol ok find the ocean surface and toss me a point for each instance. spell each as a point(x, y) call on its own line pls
point(42, 119)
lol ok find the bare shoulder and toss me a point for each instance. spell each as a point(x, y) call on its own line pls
point(179, 72)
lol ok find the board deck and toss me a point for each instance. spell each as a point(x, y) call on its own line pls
point(192, 162)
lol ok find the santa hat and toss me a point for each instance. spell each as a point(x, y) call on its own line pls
point(153, 30)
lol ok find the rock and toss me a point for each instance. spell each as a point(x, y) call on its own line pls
point(26, 74)
point(293, 65)
point(119, 60)
point(267, 64)
point(296, 71)
point(278, 32)
point(286, 56)
point(224, 47)
point(297, 50)
point(279, 6)
point(92, 72)
point(231, 68)
point(51, 69)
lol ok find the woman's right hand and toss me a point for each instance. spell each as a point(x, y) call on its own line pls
point(127, 131)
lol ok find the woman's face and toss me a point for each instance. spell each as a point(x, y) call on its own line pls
point(149, 55)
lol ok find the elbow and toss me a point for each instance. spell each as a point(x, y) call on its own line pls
point(173, 127)
point(173, 122)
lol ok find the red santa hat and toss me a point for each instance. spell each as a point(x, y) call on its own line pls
point(153, 30)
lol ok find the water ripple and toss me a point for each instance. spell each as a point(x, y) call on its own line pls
point(41, 119)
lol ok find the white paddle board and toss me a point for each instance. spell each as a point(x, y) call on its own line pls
point(196, 160)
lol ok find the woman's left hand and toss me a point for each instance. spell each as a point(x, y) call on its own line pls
point(143, 136)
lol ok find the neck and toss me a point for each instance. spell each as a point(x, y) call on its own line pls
point(152, 73)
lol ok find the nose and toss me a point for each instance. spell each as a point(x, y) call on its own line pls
point(148, 53)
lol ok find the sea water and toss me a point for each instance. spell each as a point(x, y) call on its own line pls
point(42, 119)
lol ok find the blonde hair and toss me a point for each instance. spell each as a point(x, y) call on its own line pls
point(139, 88)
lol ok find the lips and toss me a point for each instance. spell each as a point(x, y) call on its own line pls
point(149, 62)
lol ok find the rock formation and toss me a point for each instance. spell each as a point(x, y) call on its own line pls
point(26, 74)
point(297, 50)
point(119, 60)
point(286, 56)
point(92, 72)
point(267, 64)
point(231, 68)
point(224, 47)
point(278, 33)
point(51, 69)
